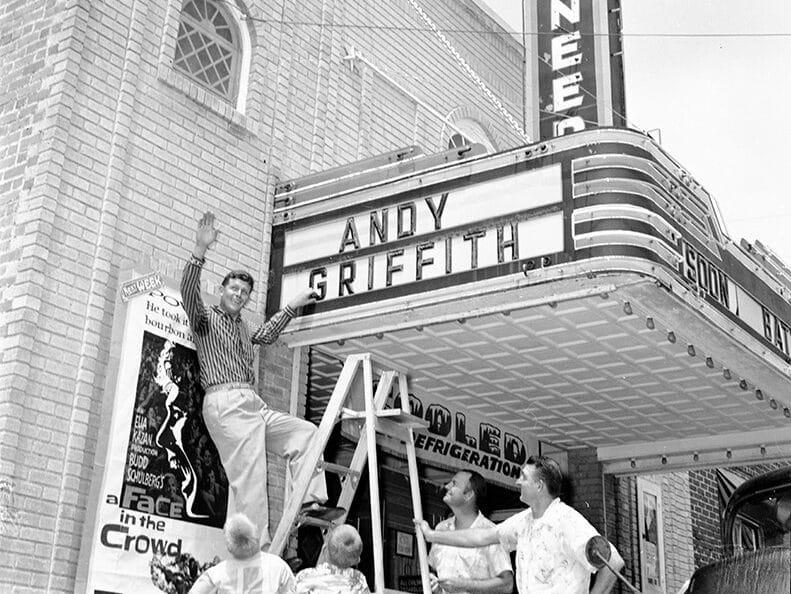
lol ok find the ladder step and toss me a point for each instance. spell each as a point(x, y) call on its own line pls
point(348, 414)
point(393, 415)
point(303, 520)
point(392, 422)
point(337, 469)
point(398, 428)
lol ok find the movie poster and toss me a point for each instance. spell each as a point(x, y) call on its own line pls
point(164, 493)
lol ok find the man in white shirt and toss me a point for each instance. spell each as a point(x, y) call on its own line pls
point(466, 570)
point(550, 538)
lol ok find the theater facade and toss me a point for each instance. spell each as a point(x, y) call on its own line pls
point(471, 210)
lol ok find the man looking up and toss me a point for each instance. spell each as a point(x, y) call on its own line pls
point(550, 538)
point(484, 569)
point(240, 423)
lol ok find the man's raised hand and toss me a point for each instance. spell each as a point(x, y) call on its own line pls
point(303, 298)
point(205, 235)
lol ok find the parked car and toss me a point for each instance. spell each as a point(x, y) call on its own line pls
point(756, 532)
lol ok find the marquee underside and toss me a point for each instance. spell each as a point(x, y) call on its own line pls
point(616, 362)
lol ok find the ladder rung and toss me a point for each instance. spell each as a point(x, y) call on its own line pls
point(337, 469)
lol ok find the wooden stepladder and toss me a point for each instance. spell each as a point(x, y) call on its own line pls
point(374, 418)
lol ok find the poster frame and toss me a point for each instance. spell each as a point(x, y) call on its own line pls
point(649, 501)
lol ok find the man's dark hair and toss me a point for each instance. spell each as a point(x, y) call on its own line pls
point(548, 471)
point(242, 275)
point(477, 485)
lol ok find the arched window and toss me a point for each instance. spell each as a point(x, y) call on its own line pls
point(467, 131)
point(458, 140)
point(209, 47)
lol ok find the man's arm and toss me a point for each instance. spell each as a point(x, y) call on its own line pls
point(468, 538)
point(502, 583)
point(205, 235)
point(268, 332)
point(605, 579)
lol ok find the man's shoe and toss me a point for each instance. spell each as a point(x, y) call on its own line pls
point(322, 512)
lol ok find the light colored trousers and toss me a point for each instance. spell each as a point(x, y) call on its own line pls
point(244, 429)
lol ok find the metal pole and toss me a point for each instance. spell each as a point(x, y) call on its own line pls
point(597, 551)
point(618, 575)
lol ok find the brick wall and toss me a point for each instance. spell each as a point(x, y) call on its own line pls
point(624, 517)
point(107, 157)
point(51, 308)
point(678, 531)
point(589, 498)
point(705, 516)
point(396, 42)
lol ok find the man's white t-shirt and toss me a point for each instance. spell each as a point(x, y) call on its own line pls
point(550, 550)
point(260, 574)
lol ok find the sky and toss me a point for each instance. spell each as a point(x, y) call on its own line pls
point(714, 77)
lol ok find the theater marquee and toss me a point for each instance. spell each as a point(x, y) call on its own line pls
point(424, 240)
point(596, 203)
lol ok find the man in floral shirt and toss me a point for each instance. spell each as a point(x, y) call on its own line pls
point(336, 575)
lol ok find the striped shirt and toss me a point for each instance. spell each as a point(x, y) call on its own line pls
point(224, 342)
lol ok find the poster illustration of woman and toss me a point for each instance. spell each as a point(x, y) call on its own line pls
point(170, 456)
